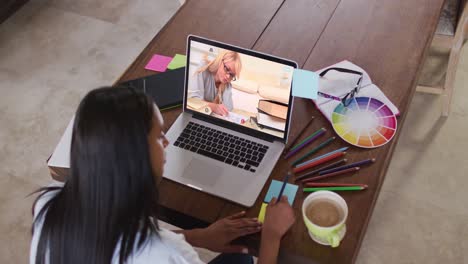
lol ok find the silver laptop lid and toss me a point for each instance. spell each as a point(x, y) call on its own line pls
point(244, 90)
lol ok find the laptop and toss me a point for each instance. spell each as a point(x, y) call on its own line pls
point(230, 153)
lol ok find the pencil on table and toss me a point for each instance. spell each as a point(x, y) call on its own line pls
point(332, 184)
point(309, 174)
point(298, 136)
point(314, 150)
point(306, 142)
point(349, 188)
point(318, 162)
point(322, 156)
point(355, 164)
point(336, 173)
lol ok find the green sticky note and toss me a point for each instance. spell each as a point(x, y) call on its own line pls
point(305, 84)
point(177, 62)
point(261, 215)
point(290, 191)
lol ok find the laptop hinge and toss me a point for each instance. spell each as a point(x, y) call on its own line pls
point(237, 128)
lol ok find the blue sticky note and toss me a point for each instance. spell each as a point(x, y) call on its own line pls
point(305, 84)
point(290, 190)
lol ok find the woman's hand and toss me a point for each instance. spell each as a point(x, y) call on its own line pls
point(218, 236)
point(279, 218)
point(219, 109)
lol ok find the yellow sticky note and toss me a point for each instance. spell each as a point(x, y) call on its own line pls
point(261, 215)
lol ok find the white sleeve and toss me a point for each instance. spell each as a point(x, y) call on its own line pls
point(182, 246)
point(39, 222)
point(168, 248)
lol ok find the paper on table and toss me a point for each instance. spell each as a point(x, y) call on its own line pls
point(177, 62)
point(61, 156)
point(158, 63)
point(371, 91)
point(339, 84)
point(305, 84)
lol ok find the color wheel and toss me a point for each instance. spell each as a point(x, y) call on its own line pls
point(365, 122)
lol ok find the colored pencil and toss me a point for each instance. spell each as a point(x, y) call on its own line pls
point(332, 184)
point(349, 188)
point(322, 156)
point(309, 140)
point(314, 150)
point(318, 162)
point(347, 166)
point(298, 136)
point(326, 167)
point(285, 181)
point(332, 174)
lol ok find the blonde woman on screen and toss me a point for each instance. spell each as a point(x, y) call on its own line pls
point(213, 81)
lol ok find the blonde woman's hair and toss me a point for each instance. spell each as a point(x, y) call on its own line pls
point(212, 66)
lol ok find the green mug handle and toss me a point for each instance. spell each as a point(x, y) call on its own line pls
point(334, 239)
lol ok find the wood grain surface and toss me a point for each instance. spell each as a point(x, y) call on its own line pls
point(389, 39)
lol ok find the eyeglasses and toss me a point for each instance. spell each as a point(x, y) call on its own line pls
point(232, 76)
point(348, 98)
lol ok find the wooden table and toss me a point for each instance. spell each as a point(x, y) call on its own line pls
point(389, 39)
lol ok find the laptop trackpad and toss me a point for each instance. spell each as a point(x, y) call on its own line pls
point(202, 172)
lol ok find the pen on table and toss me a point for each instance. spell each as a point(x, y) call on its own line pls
point(285, 181)
point(326, 167)
point(348, 188)
point(299, 135)
point(314, 150)
point(336, 173)
point(306, 142)
point(355, 164)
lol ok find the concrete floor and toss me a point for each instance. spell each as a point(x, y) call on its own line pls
point(53, 51)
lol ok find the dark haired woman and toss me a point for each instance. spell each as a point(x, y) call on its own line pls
point(106, 211)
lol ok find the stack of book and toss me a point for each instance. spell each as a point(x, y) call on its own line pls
point(272, 115)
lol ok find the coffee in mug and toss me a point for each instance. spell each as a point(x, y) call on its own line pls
point(324, 212)
point(325, 215)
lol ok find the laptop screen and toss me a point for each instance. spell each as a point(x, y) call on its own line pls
point(240, 86)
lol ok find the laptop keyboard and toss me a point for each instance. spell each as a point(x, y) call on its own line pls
point(221, 146)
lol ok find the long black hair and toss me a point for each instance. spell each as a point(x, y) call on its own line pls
point(110, 195)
